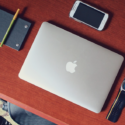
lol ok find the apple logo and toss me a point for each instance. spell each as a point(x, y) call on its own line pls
point(70, 66)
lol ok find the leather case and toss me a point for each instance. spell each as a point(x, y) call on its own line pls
point(17, 33)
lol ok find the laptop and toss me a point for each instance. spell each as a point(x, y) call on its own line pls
point(71, 67)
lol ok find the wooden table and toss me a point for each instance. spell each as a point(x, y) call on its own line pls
point(38, 100)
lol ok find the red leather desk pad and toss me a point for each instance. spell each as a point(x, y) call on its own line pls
point(56, 12)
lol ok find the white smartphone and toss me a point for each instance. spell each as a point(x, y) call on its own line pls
point(88, 15)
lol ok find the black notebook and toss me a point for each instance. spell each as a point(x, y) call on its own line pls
point(17, 33)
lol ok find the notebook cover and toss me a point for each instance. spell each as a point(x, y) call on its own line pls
point(17, 33)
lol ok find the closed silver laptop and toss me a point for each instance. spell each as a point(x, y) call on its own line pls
point(71, 67)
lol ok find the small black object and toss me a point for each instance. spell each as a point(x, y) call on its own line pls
point(17, 33)
point(118, 105)
point(5, 107)
point(4, 121)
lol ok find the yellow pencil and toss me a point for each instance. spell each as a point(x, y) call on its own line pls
point(10, 26)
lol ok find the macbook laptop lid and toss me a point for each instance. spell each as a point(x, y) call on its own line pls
point(71, 67)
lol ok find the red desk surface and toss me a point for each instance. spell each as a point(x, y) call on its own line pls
point(40, 101)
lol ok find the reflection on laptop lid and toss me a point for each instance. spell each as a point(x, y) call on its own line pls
point(71, 67)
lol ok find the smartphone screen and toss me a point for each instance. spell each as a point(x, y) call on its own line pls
point(89, 15)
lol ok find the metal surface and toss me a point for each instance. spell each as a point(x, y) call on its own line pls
point(45, 67)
